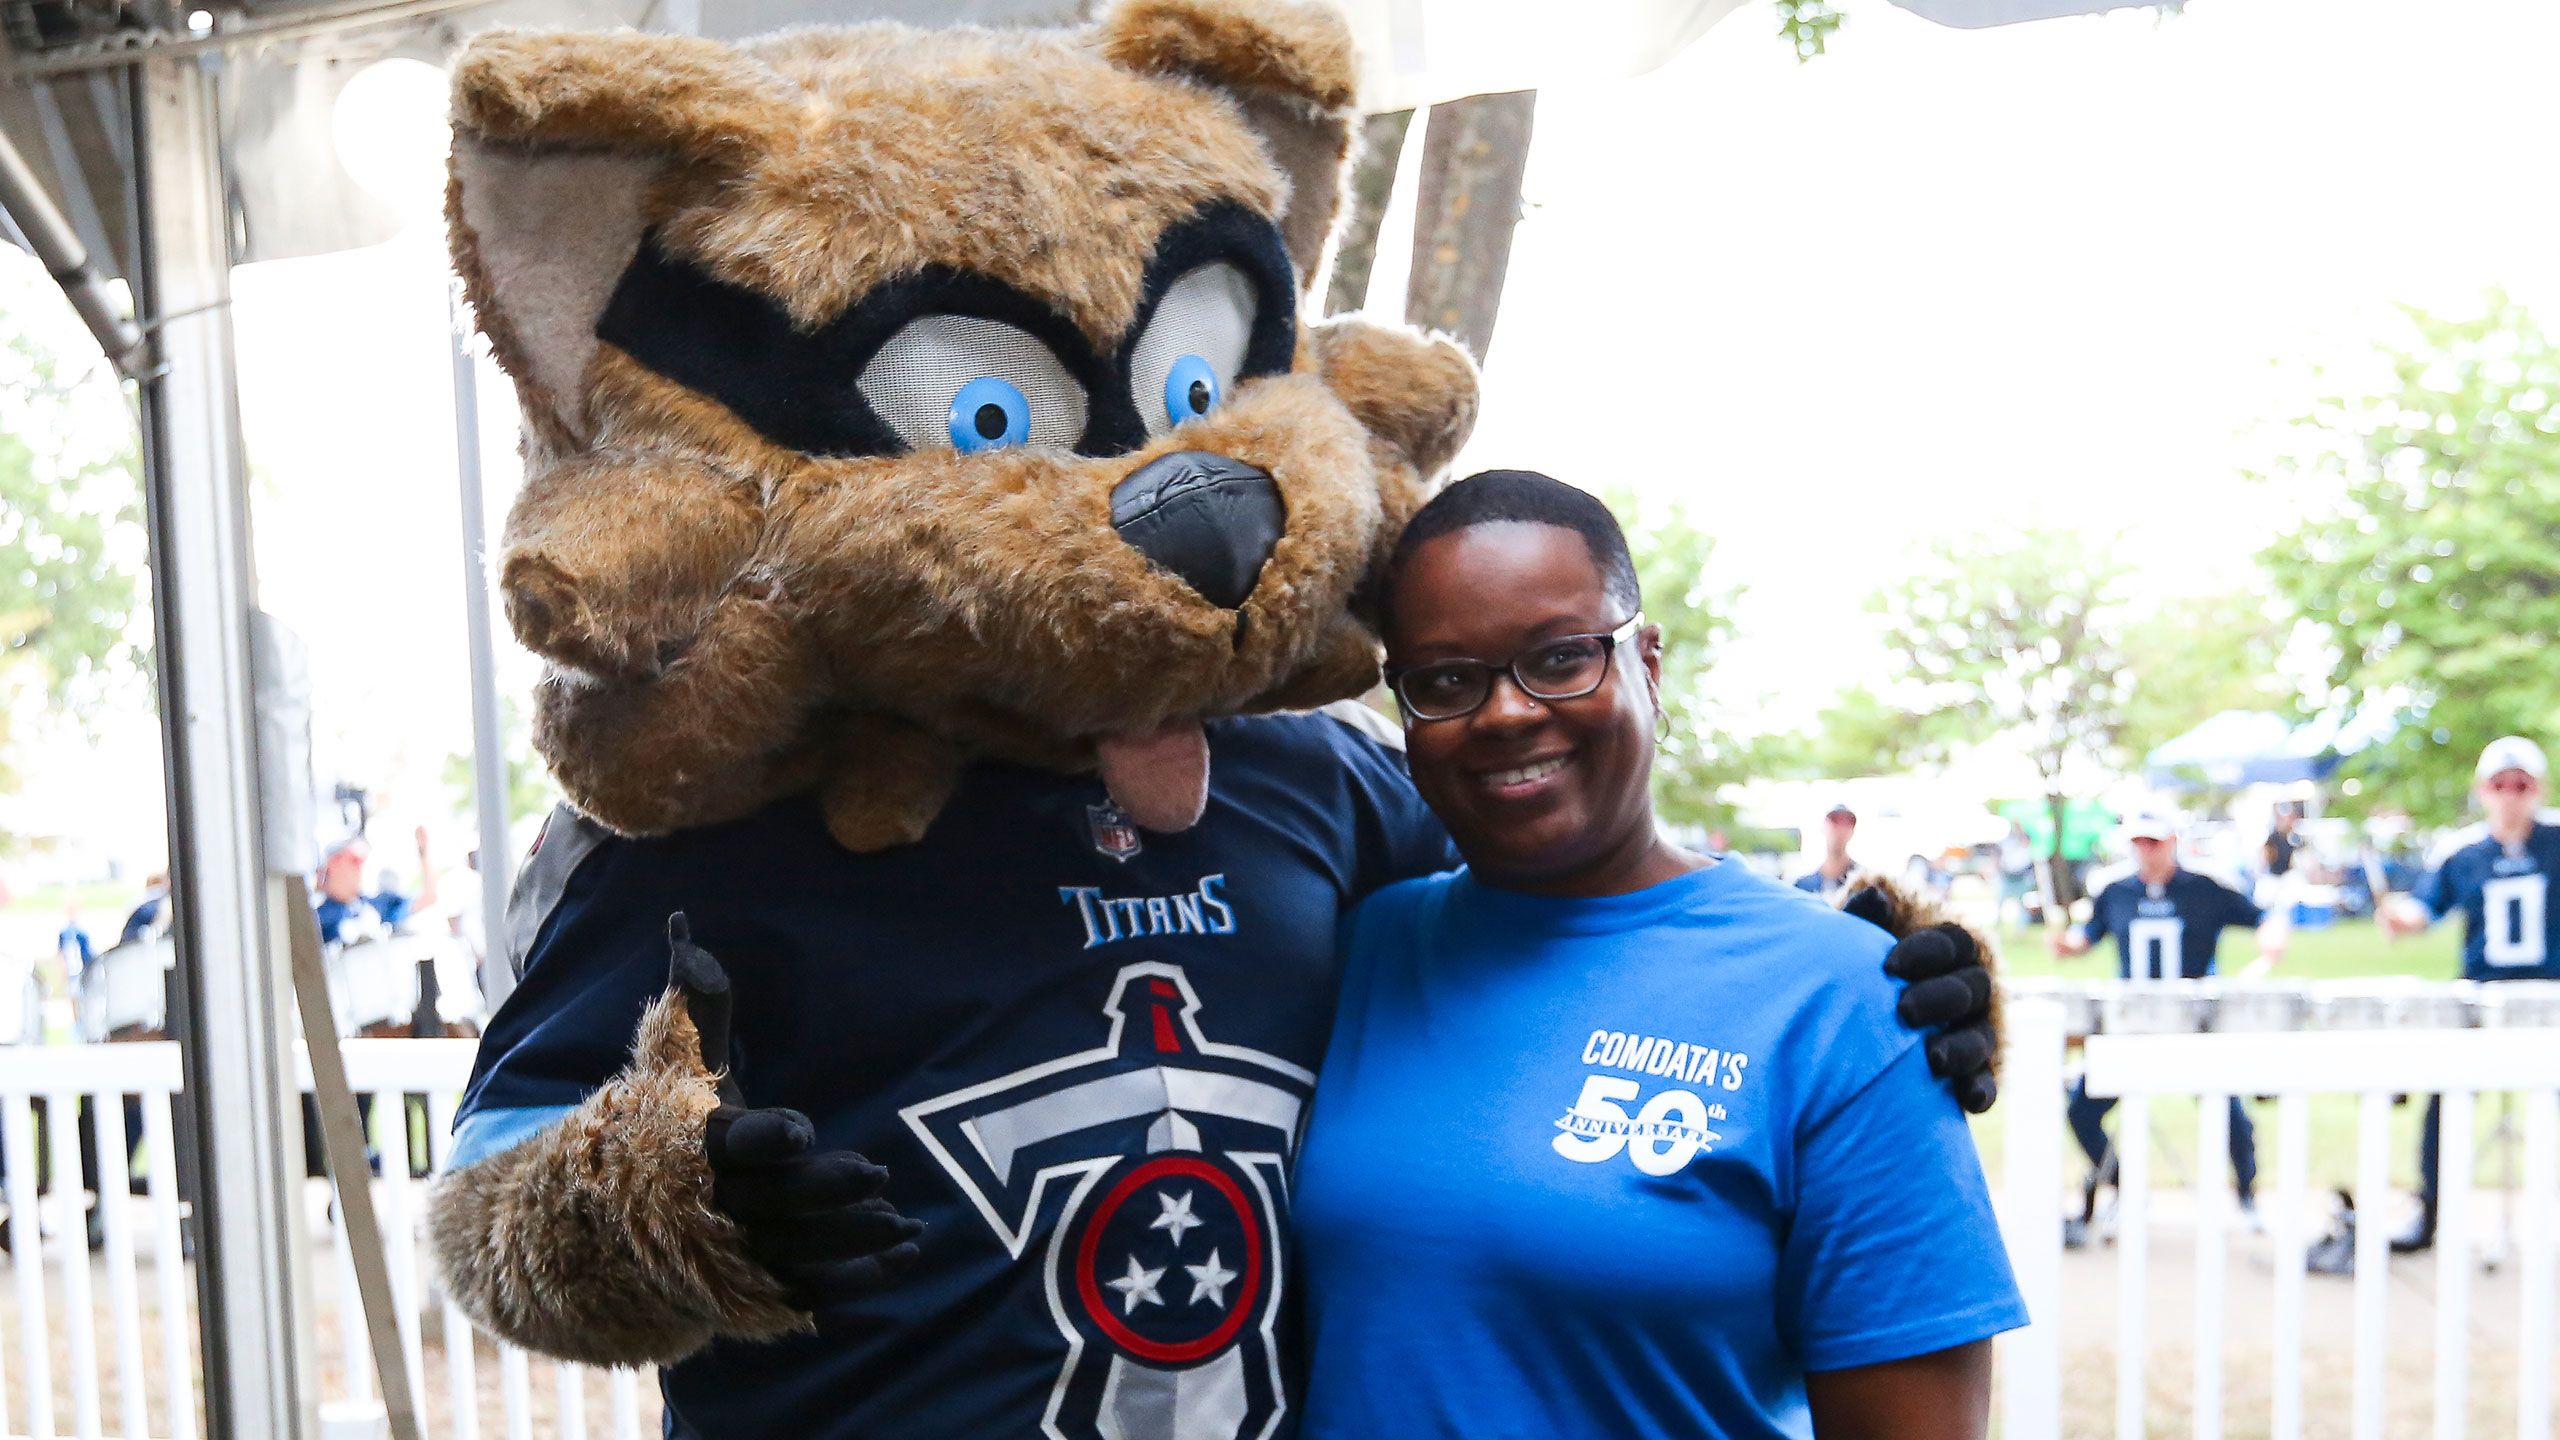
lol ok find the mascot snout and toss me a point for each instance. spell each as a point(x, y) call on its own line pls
point(1209, 520)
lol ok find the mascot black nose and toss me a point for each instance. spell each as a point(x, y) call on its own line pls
point(1206, 518)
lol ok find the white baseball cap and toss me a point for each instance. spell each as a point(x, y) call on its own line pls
point(2150, 825)
point(2511, 752)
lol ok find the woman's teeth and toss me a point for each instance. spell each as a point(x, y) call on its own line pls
point(1505, 779)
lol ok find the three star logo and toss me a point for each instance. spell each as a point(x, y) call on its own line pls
point(1151, 1173)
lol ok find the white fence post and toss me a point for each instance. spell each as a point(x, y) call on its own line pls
point(2213, 1189)
point(2031, 1110)
point(2373, 1261)
point(2295, 1065)
point(2534, 1273)
point(2453, 1267)
point(2133, 1262)
point(2293, 1186)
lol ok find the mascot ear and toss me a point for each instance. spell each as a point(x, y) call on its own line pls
point(1289, 66)
point(557, 138)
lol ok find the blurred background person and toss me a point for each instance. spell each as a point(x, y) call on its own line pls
point(1828, 879)
point(2167, 922)
point(2501, 883)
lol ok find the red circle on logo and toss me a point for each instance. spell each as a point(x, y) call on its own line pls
point(1088, 1287)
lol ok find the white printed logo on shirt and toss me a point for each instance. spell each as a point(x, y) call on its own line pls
point(2152, 944)
point(1660, 1133)
point(2513, 907)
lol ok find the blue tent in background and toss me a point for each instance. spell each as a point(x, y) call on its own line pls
point(2249, 747)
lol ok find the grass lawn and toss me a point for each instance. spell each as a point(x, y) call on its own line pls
point(103, 903)
point(2348, 950)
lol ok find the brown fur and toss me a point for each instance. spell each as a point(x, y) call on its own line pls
point(1908, 913)
point(727, 620)
point(1295, 75)
point(596, 1240)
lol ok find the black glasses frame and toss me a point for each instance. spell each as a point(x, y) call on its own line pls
point(1609, 642)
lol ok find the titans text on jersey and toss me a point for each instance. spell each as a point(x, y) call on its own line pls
point(1126, 917)
point(1082, 1052)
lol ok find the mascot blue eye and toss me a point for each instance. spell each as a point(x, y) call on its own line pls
point(1191, 389)
point(989, 413)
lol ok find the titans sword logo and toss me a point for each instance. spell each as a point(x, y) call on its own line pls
point(1152, 1168)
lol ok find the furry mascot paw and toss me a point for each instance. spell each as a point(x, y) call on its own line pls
point(657, 1217)
point(1947, 966)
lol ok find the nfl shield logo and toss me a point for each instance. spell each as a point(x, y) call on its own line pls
point(1114, 834)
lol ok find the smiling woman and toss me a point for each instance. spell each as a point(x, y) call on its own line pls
point(1597, 1111)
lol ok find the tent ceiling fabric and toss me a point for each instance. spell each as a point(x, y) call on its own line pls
point(289, 59)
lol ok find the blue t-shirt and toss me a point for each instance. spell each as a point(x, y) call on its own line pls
point(1626, 1167)
point(2510, 931)
point(2178, 926)
point(1082, 1051)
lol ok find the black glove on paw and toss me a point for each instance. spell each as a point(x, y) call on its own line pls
point(813, 1217)
point(1948, 990)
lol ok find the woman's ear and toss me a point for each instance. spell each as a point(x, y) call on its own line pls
point(1649, 648)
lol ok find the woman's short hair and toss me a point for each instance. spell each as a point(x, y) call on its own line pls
point(1526, 497)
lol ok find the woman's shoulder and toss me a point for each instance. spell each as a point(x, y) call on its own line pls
point(1818, 970)
point(1396, 906)
point(1789, 927)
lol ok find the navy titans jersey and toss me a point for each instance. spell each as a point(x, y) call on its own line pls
point(1082, 1050)
point(2509, 929)
point(2169, 935)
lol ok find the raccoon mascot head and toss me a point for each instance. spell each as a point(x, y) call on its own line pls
point(900, 397)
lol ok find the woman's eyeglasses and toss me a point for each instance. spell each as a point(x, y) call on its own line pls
point(1567, 667)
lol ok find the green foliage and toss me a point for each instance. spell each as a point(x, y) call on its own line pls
point(1863, 733)
point(2195, 657)
point(529, 787)
point(2431, 500)
point(70, 548)
point(1702, 751)
point(2017, 636)
point(1806, 26)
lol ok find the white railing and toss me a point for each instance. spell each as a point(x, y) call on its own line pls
point(57, 1306)
point(58, 1367)
point(2292, 1067)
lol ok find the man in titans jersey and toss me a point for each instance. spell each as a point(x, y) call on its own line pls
point(2501, 882)
point(2167, 921)
point(1081, 1050)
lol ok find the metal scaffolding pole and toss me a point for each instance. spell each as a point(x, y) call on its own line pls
point(240, 1085)
point(488, 737)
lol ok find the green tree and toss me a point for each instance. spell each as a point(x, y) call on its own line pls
point(1702, 750)
point(529, 787)
point(2196, 656)
point(2018, 636)
point(70, 548)
point(2431, 499)
point(1863, 733)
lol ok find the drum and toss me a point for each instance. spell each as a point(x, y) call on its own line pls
point(2394, 1005)
point(2155, 1007)
point(2520, 1003)
point(2256, 1009)
point(126, 987)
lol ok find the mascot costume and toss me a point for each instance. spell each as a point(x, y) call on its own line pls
point(942, 532)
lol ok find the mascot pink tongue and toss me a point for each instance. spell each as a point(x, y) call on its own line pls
point(1161, 777)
